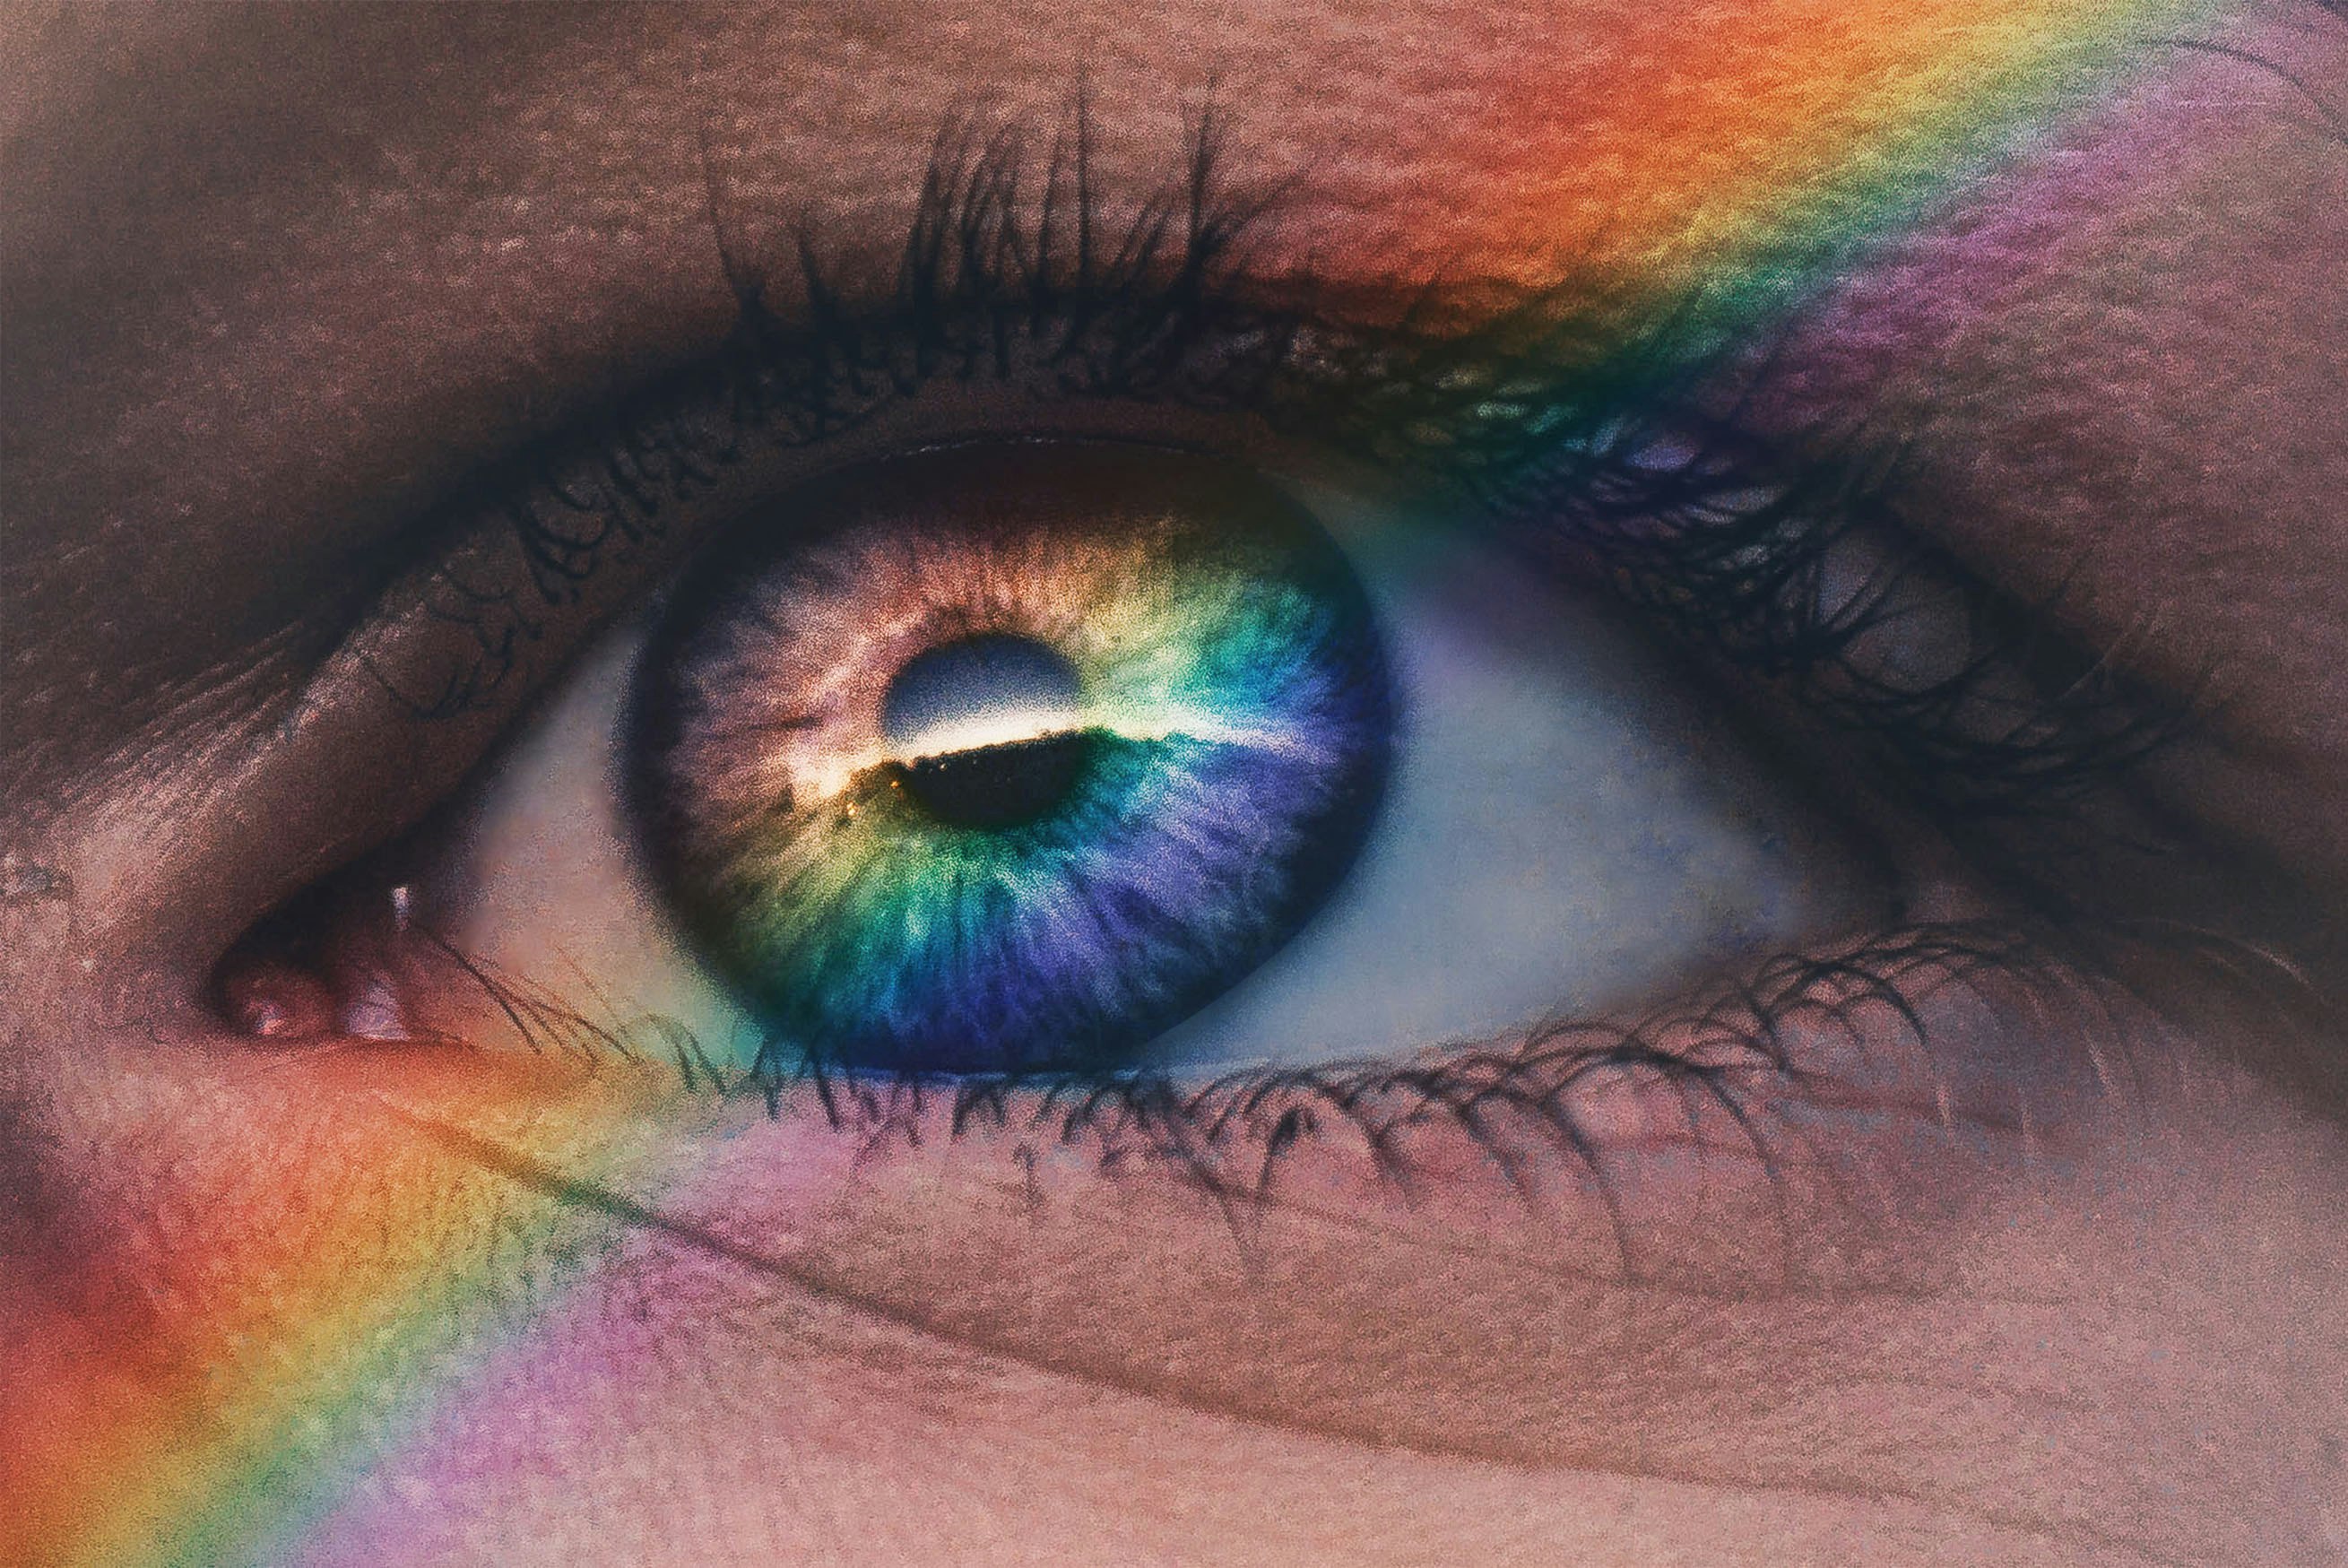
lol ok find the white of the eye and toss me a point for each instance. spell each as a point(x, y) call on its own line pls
point(545, 883)
point(1568, 828)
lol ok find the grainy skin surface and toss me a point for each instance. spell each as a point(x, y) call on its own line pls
point(273, 281)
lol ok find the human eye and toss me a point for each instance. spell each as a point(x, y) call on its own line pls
point(478, 1150)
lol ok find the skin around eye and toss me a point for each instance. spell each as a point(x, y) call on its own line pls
point(2017, 1269)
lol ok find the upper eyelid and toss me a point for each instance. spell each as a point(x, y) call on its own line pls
point(1160, 309)
point(992, 287)
point(329, 757)
point(1378, 306)
point(334, 758)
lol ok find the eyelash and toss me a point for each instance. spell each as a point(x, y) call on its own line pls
point(2017, 731)
point(1747, 1052)
point(1158, 318)
point(1582, 446)
point(1541, 445)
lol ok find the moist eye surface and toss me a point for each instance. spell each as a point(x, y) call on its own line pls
point(1007, 758)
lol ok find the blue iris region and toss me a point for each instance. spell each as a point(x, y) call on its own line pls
point(1171, 869)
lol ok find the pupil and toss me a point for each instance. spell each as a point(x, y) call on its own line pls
point(999, 786)
point(987, 729)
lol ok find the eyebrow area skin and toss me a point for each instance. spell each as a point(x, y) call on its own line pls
point(274, 280)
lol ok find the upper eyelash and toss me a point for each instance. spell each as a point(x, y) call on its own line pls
point(1547, 414)
point(2017, 729)
point(1153, 313)
point(1165, 307)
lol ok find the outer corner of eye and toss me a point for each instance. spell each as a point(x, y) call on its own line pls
point(1009, 758)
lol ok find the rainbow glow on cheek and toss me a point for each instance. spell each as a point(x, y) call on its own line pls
point(1221, 754)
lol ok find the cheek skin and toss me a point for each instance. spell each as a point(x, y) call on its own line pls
point(867, 1349)
point(838, 1439)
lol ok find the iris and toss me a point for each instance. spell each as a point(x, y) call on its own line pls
point(1006, 757)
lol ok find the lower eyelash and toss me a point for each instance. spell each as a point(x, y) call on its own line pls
point(1789, 1074)
point(1798, 1076)
point(1730, 1048)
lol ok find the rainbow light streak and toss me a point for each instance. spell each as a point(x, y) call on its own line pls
point(1229, 732)
point(208, 1400)
point(298, 1306)
point(1728, 167)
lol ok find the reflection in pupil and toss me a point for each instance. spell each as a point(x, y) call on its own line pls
point(979, 691)
point(986, 730)
point(1000, 786)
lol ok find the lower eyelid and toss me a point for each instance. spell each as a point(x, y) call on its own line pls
point(1821, 1065)
point(1089, 1245)
point(1507, 1296)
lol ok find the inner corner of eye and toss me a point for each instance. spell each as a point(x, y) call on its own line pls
point(1041, 757)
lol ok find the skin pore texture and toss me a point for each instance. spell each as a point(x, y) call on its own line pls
point(2048, 1269)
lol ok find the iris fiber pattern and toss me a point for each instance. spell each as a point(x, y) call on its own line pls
point(1230, 726)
